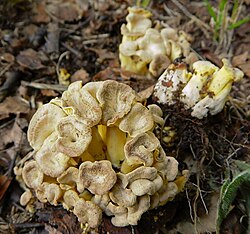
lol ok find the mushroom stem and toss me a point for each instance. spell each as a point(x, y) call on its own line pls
point(115, 140)
point(97, 147)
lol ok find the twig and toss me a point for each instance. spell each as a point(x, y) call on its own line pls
point(59, 88)
point(199, 23)
point(64, 54)
point(72, 50)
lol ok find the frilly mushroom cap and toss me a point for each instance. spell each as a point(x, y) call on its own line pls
point(122, 196)
point(50, 161)
point(32, 175)
point(25, 198)
point(152, 43)
point(97, 177)
point(74, 136)
point(139, 150)
point(142, 172)
point(167, 167)
point(137, 121)
point(53, 193)
point(43, 123)
point(68, 178)
point(70, 197)
point(141, 187)
point(157, 114)
point(84, 105)
point(135, 212)
point(138, 22)
point(88, 212)
point(101, 200)
point(115, 99)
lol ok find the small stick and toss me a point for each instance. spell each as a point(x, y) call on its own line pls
point(36, 85)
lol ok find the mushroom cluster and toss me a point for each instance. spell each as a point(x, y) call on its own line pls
point(95, 151)
point(148, 50)
point(204, 90)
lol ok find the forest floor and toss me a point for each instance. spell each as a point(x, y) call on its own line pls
point(38, 38)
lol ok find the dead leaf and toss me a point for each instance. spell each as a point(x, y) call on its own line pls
point(82, 75)
point(64, 11)
point(14, 105)
point(103, 54)
point(245, 68)
point(29, 59)
point(146, 93)
point(40, 14)
point(4, 185)
point(49, 93)
point(240, 59)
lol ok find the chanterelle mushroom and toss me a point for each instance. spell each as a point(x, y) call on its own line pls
point(97, 177)
point(148, 51)
point(95, 151)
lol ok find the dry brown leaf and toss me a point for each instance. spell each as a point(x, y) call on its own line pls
point(240, 59)
point(49, 93)
point(14, 105)
point(82, 75)
point(40, 14)
point(64, 11)
point(4, 185)
point(103, 54)
point(29, 59)
point(245, 68)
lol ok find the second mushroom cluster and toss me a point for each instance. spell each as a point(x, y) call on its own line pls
point(95, 151)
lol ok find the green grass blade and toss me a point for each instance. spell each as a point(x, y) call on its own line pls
point(143, 3)
point(239, 23)
point(222, 5)
point(211, 10)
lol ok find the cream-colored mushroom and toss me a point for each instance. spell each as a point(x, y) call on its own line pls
point(141, 187)
point(68, 178)
point(70, 197)
point(97, 177)
point(113, 209)
point(157, 114)
point(43, 123)
point(142, 172)
point(135, 212)
point(137, 121)
point(115, 100)
point(120, 219)
point(88, 212)
point(167, 168)
point(85, 106)
point(101, 200)
point(122, 196)
point(74, 136)
point(140, 149)
point(53, 193)
point(26, 198)
point(32, 175)
point(50, 161)
point(138, 22)
point(167, 192)
point(40, 192)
